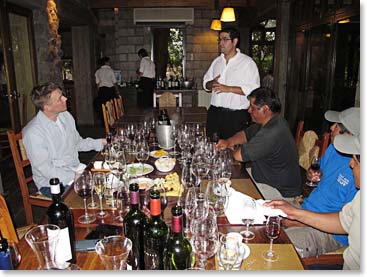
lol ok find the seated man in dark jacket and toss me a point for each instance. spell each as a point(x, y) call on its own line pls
point(270, 146)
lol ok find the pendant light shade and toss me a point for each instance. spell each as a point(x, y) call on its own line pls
point(216, 25)
point(228, 15)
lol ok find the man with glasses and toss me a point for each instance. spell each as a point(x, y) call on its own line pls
point(51, 139)
point(230, 78)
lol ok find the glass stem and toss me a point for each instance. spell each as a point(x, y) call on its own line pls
point(271, 247)
point(85, 207)
point(100, 202)
point(93, 197)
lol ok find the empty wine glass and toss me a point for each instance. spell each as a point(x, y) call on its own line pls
point(248, 216)
point(190, 202)
point(142, 153)
point(114, 251)
point(100, 181)
point(217, 195)
point(123, 202)
point(314, 173)
point(174, 135)
point(83, 186)
point(229, 252)
point(272, 231)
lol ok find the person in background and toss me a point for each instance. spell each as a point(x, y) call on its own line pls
point(345, 221)
point(146, 73)
point(270, 146)
point(335, 189)
point(268, 80)
point(230, 78)
point(107, 85)
point(51, 139)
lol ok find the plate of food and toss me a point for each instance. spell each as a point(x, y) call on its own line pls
point(159, 153)
point(136, 169)
point(165, 164)
point(143, 182)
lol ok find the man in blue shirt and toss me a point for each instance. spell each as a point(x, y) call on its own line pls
point(335, 189)
point(51, 139)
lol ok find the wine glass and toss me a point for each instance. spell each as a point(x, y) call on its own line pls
point(142, 153)
point(229, 252)
point(100, 181)
point(174, 134)
point(314, 173)
point(123, 202)
point(249, 210)
point(83, 186)
point(109, 138)
point(272, 231)
point(217, 195)
point(190, 202)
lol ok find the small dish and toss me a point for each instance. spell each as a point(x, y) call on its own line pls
point(165, 164)
point(143, 182)
point(159, 154)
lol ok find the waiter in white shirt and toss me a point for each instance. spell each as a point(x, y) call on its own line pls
point(231, 77)
point(146, 72)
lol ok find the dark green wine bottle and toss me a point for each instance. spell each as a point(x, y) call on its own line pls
point(134, 223)
point(155, 235)
point(177, 254)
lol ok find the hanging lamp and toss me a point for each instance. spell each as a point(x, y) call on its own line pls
point(216, 25)
point(228, 15)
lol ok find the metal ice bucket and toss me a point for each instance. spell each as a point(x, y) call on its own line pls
point(163, 133)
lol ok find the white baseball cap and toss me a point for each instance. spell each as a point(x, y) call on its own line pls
point(350, 118)
point(348, 144)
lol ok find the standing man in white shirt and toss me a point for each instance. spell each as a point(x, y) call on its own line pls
point(146, 72)
point(231, 77)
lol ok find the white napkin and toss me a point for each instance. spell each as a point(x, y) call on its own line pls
point(80, 168)
point(235, 209)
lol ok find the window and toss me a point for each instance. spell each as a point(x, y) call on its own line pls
point(263, 45)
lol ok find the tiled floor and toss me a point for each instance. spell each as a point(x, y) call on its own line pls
point(12, 192)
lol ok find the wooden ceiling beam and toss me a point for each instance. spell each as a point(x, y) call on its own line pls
point(109, 4)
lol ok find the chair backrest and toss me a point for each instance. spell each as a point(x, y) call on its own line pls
point(167, 99)
point(6, 223)
point(109, 115)
point(119, 107)
point(299, 132)
point(25, 178)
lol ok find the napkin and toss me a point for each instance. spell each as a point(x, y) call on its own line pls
point(235, 209)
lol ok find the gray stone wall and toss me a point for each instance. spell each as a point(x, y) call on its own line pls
point(46, 69)
point(122, 39)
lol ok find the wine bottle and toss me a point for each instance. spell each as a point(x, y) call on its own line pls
point(5, 255)
point(177, 254)
point(155, 235)
point(59, 214)
point(134, 223)
point(167, 120)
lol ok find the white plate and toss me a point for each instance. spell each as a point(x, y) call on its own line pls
point(165, 164)
point(143, 182)
point(154, 154)
point(136, 169)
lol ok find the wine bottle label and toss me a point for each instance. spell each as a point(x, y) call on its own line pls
point(63, 248)
point(55, 189)
point(155, 207)
point(134, 197)
point(176, 224)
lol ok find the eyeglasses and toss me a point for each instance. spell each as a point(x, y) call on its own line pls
point(223, 39)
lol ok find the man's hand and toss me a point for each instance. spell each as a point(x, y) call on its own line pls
point(290, 210)
point(223, 144)
point(314, 176)
point(209, 85)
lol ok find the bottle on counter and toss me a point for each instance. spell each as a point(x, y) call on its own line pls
point(177, 254)
point(155, 235)
point(166, 116)
point(5, 255)
point(134, 224)
point(59, 214)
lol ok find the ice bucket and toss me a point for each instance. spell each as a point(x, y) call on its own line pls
point(163, 133)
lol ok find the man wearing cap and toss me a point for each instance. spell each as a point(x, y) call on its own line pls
point(345, 221)
point(335, 189)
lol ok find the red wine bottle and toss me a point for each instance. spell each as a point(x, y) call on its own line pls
point(59, 214)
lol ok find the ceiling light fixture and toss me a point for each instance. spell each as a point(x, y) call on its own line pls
point(216, 25)
point(228, 15)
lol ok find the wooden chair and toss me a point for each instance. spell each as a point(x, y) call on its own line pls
point(109, 115)
point(167, 99)
point(323, 260)
point(7, 226)
point(25, 178)
point(119, 107)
